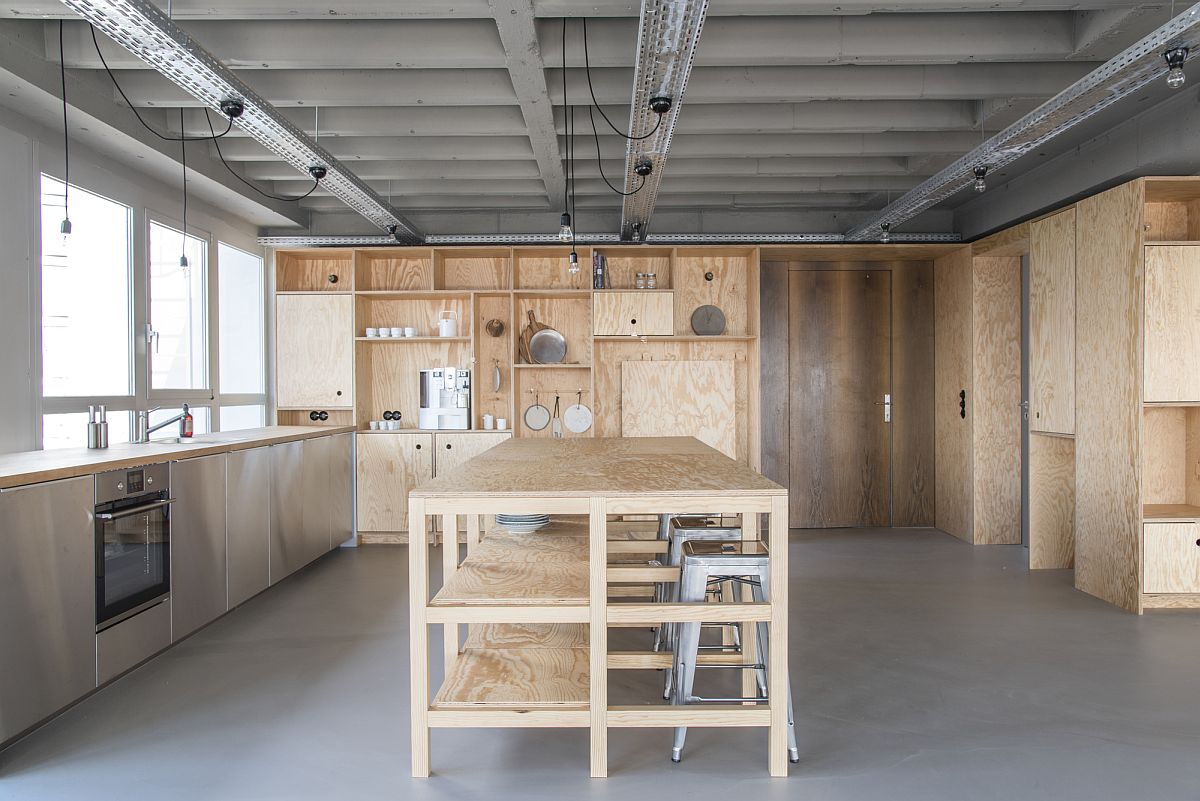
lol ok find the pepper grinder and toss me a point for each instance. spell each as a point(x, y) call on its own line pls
point(97, 427)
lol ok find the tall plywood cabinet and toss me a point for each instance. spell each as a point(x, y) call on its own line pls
point(314, 351)
point(1137, 430)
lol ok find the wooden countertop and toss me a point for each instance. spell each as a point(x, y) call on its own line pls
point(31, 467)
point(612, 467)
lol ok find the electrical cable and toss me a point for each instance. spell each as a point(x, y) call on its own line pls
point(112, 76)
point(235, 174)
point(571, 171)
point(62, 70)
point(600, 164)
point(587, 67)
point(183, 161)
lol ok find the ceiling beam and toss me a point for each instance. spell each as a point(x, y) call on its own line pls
point(439, 9)
point(514, 20)
point(667, 39)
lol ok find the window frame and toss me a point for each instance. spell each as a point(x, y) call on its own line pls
point(143, 397)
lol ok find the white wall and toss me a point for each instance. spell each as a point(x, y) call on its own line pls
point(26, 150)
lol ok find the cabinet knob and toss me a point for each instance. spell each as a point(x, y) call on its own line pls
point(448, 446)
point(333, 279)
point(418, 446)
point(339, 392)
point(633, 321)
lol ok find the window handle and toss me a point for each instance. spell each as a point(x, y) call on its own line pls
point(151, 336)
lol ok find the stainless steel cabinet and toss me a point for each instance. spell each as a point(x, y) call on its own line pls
point(287, 508)
point(248, 529)
point(199, 592)
point(317, 494)
point(47, 600)
point(341, 482)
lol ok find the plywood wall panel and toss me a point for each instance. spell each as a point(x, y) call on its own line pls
point(727, 289)
point(1172, 367)
point(912, 394)
point(1051, 502)
point(1052, 323)
point(1164, 455)
point(776, 386)
point(952, 372)
point(996, 294)
point(1108, 414)
point(680, 398)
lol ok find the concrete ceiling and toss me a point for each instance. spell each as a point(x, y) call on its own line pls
point(792, 108)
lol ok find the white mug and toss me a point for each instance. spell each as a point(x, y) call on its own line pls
point(374, 425)
point(502, 423)
point(397, 332)
point(489, 421)
point(385, 332)
point(393, 425)
point(410, 331)
point(372, 332)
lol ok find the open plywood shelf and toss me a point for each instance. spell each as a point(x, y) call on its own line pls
point(536, 677)
point(412, 339)
point(1172, 211)
point(561, 366)
point(322, 270)
point(515, 584)
point(1171, 513)
point(472, 269)
point(393, 269)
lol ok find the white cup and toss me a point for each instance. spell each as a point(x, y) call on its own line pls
point(489, 422)
point(409, 332)
point(372, 332)
point(502, 423)
point(385, 332)
point(374, 425)
point(397, 332)
point(393, 425)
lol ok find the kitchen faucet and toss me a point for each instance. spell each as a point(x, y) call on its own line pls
point(144, 429)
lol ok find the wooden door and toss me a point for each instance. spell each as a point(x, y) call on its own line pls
point(389, 465)
point(839, 354)
point(1052, 323)
point(1172, 366)
point(452, 450)
point(314, 347)
point(626, 313)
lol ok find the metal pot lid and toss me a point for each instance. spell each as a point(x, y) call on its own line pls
point(548, 347)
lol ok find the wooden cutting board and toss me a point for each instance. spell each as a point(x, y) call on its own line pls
point(526, 335)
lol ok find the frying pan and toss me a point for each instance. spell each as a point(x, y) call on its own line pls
point(547, 347)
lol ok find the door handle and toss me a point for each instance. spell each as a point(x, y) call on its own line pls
point(886, 403)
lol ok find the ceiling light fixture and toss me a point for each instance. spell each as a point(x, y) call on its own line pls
point(1175, 58)
point(885, 233)
point(565, 232)
point(981, 178)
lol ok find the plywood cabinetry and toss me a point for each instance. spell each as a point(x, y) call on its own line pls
point(453, 450)
point(1172, 558)
point(314, 351)
point(636, 313)
point(389, 466)
point(1052, 323)
point(1172, 366)
point(1051, 502)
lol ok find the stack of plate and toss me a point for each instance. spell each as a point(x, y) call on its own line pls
point(522, 524)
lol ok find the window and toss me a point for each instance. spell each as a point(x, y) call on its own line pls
point(86, 344)
point(242, 322)
point(178, 333)
point(199, 326)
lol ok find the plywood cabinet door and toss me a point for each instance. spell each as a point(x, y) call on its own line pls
point(1172, 364)
point(1052, 324)
point(1172, 558)
point(389, 466)
point(314, 351)
point(646, 313)
point(451, 451)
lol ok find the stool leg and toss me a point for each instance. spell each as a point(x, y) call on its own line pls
point(761, 592)
point(687, 646)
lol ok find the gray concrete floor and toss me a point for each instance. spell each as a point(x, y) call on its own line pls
point(922, 669)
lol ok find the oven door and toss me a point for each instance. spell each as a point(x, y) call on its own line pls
point(133, 561)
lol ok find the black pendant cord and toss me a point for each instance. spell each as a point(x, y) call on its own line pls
point(600, 164)
point(235, 174)
point(183, 161)
point(112, 76)
point(571, 170)
point(587, 67)
point(62, 70)
point(566, 124)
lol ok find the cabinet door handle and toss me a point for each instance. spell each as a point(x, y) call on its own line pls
point(418, 446)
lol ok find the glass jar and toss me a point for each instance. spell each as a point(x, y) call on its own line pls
point(640, 281)
point(651, 280)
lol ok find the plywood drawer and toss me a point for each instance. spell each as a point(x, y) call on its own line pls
point(1171, 558)
point(647, 313)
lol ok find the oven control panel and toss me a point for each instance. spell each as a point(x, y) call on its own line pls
point(116, 485)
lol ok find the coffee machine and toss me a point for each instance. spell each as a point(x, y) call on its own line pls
point(445, 399)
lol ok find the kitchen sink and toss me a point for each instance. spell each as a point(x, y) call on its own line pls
point(206, 440)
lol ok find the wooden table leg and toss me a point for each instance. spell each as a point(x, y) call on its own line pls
point(450, 631)
point(472, 532)
point(418, 635)
point(598, 636)
point(777, 669)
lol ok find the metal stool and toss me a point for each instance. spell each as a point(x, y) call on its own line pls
point(680, 530)
point(746, 562)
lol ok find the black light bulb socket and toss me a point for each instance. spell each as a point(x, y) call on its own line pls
point(1175, 57)
point(65, 227)
point(660, 105)
point(885, 227)
point(232, 108)
point(644, 167)
point(565, 220)
point(574, 257)
point(981, 172)
point(318, 172)
point(392, 229)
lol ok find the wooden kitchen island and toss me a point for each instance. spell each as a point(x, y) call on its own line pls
point(538, 606)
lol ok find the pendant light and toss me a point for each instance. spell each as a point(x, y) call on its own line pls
point(183, 259)
point(1175, 58)
point(981, 178)
point(64, 227)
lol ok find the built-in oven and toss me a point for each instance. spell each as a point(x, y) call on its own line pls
point(133, 541)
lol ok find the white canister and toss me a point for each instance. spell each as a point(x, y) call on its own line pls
point(489, 422)
point(397, 331)
point(372, 332)
point(502, 424)
point(447, 323)
point(409, 331)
